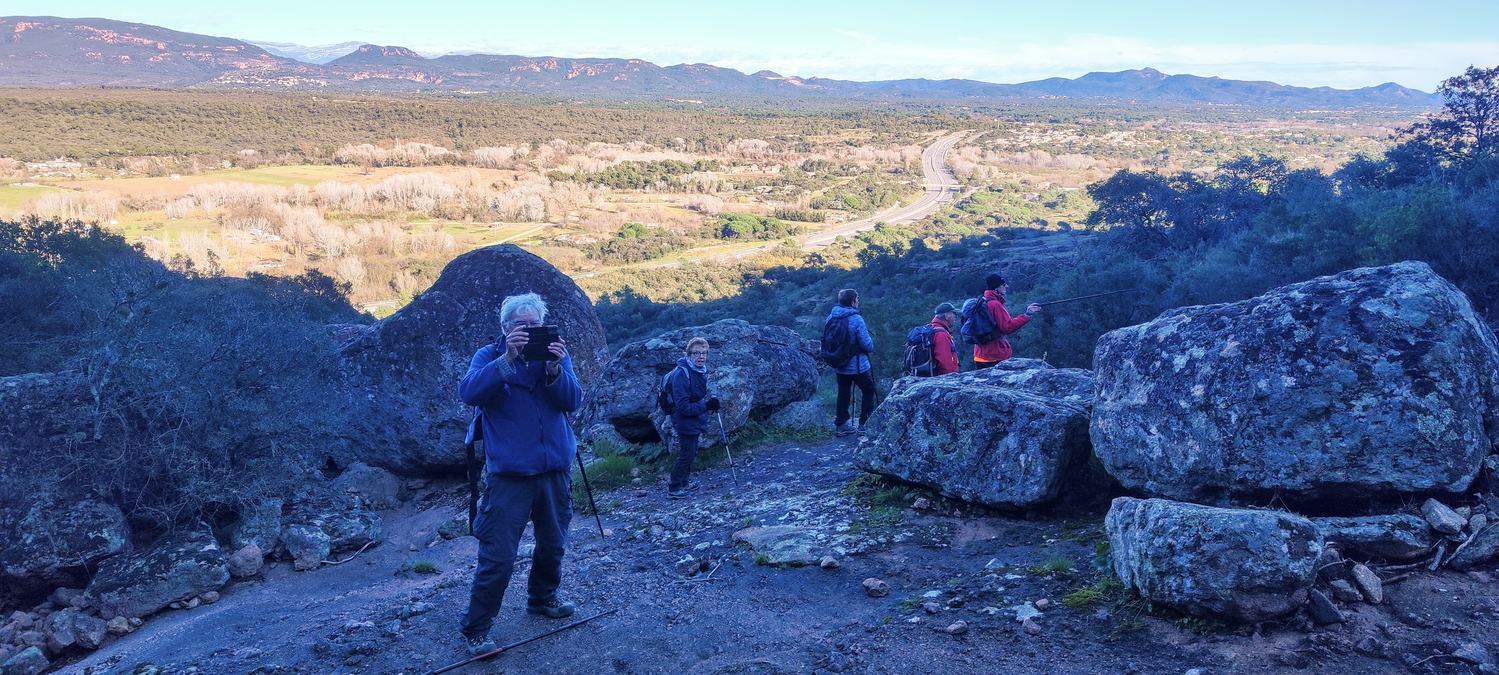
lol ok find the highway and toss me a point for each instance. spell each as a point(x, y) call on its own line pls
point(941, 187)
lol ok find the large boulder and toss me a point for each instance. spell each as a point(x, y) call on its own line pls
point(1002, 437)
point(321, 522)
point(1374, 381)
point(1239, 564)
point(53, 543)
point(404, 370)
point(260, 525)
point(755, 370)
point(180, 565)
point(378, 487)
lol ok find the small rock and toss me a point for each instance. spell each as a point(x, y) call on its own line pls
point(1025, 612)
point(21, 619)
point(454, 527)
point(1477, 522)
point(176, 605)
point(956, 628)
point(1195, 671)
point(65, 597)
point(1330, 564)
point(1369, 584)
point(921, 504)
point(90, 631)
point(209, 597)
point(876, 588)
point(29, 661)
point(60, 633)
point(1043, 604)
point(411, 547)
point(193, 603)
point(931, 607)
point(955, 602)
point(1472, 652)
point(642, 493)
point(32, 638)
point(1441, 518)
point(136, 622)
point(1322, 610)
point(1463, 512)
point(247, 561)
point(635, 472)
point(1344, 591)
point(829, 563)
point(118, 626)
point(1031, 627)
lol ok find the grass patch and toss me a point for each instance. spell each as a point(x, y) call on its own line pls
point(613, 467)
point(762, 559)
point(422, 567)
point(1055, 566)
point(756, 433)
point(13, 197)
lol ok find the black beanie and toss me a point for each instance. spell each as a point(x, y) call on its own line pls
point(993, 281)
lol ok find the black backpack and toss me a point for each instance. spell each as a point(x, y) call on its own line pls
point(838, 345)
point(664, 401)
point(919, 359)
point(978, 324)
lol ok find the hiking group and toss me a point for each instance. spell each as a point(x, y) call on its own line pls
point(523, 392)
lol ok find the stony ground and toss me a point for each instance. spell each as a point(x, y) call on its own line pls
point(689, 599)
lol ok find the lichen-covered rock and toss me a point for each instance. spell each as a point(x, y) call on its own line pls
point(179, 565)
point(1240, 564)
point(1400, 536)
point(782, 544)
point(755, 370)
point(29, 661)
point(53, 542)
point(1002, 437)
point(259, 525)
point(1371, 382)
point(321, 522)
point(247, 561)
point(404, 370)
point(379, 488)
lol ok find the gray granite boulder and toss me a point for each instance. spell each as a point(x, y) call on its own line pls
point(180, 565)
point(1400, 536)
point(320, 522)
point(403, 371)
point(260, 524)
point(1238, 564)
point(379, 488)
point(1002, 437)
point(807, 415)
point(1374, 382)
point(52, 543)
point(755, 371)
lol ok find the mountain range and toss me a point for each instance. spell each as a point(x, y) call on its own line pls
point(58, 52)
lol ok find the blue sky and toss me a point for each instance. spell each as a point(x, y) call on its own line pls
point(1341, 44)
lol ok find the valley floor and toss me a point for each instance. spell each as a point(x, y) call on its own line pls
point(369, 616)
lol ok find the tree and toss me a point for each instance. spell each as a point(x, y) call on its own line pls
point(1466, 129)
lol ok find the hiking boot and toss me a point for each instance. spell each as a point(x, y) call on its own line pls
point(551, 607)
point(676, 493)
point(480, 644)
point(849, 428)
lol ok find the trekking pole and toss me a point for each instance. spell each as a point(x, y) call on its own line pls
point(724, 436)
point(1085, 297)
point(513, 645)
point(589, 489)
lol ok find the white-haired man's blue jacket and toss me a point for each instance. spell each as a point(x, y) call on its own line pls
point(523, 412)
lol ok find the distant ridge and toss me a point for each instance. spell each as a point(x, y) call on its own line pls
point(56, 52)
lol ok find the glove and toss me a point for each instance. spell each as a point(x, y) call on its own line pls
point(714, 405)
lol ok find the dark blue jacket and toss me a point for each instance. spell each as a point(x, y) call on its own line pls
point(860, 334)
point(524, 416)
point(689, 399)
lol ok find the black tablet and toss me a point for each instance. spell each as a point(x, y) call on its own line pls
point(540, 337)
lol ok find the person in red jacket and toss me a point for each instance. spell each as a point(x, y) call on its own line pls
point(988, 354)
point(944, 346)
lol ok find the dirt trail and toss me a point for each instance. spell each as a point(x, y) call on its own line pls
point(365, 616)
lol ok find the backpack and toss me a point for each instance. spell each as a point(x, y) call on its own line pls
point(664, 401)
point(838, 345)
point(919, 359)
point(978, 324)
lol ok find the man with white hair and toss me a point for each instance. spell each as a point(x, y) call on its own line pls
point(528, 454)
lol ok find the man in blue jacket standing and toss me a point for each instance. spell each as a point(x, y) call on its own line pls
point(856, 372)
point(528, 454)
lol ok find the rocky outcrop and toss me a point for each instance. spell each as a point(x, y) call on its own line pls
point(1373, 382)
point(755, 370)
point(404, 370)
point(1393, 537)
point(1240, 564)
point(321, 522)
point(804, 416)
point(53, 543)
point(1002, 437)
point(180, 565)
point(377, 487)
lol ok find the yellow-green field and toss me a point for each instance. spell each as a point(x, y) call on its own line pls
point(13, 197)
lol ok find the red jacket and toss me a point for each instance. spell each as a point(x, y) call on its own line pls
point(944, 349)
point(999, 349)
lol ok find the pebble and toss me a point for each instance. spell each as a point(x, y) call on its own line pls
point(829, 563)
point(1345, 591)
point(932, 594)
point(209, 597)
point(876, 588)
point(193, 603)
point(921, 504)
point(1322, 610)
point(956, 628)
point(411, 547)
point(956, 602)
point(1441, 518)
point(931, 607)
point(1477, 522)
point(118, 626)
point(1031, 627)
point(1043, 604)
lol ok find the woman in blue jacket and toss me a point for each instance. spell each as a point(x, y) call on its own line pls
point(691, 405)
point(856, 372)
